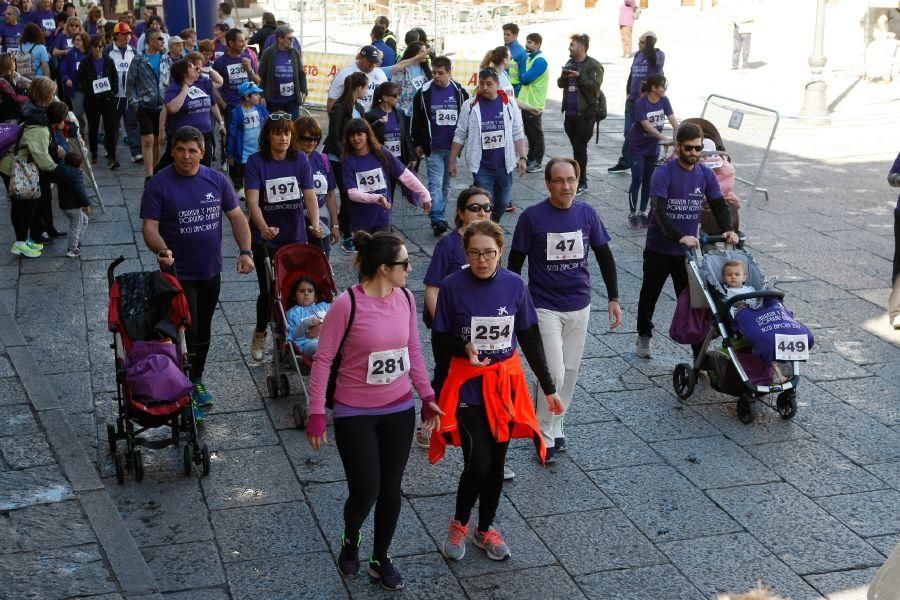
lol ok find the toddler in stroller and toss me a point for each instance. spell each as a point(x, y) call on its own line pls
point(758, 341)
point(305, 317)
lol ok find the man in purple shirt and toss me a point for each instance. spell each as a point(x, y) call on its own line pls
point(894, 301)
point(580, 82)
point(676, 197)
point(182, 209)
point(555, 236)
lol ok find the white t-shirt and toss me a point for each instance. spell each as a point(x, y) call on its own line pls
point(376, 78)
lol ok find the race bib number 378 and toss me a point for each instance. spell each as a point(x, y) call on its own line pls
point(791, 347)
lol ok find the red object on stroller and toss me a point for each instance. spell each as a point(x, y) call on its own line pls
point(149, 307)
point(291, 261)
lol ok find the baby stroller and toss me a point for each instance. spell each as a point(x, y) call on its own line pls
point(148, 314)
point(291, 261)
point(734, 369)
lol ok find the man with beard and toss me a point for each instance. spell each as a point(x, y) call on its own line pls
point(677, 191)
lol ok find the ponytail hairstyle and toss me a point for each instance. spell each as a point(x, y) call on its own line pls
point(384, 89)
point(655, 80)
point(374, 250)
point(650, 48)
point(412, 50)
point(351, 83)
point(494, 58)
point(463, 201)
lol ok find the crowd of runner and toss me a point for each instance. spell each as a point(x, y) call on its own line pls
point(189, 106)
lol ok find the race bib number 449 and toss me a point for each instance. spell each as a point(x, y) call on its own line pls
point(492, 333)
point(387, 366)
point(791, 347)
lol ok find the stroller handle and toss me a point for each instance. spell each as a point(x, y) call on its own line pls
point(110, 276)
point(749, 295)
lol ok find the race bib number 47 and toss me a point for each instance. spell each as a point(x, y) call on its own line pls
point(565, 246)
point(492, 333)
point(791, 347)
point(387, 366)
point(370, 181)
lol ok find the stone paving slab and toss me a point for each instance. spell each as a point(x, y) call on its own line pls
point(76, 570)
point(50, 526)
point(607, 445)
point(185, 566)
point(714, 462)
point(659, 581)
point(843, 585)
point(866, 513)
point(253, 579)
point(248, 477)
point(28, 487)
point(551, 583)
point(656, 415)
point(270, 531)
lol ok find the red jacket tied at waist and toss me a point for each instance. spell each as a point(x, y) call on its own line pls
point(507, 403)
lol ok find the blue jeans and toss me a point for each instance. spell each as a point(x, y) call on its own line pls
point(642, 168)
point(629, 120)
point(499, 183)
point(292, 107)
point(438, 184)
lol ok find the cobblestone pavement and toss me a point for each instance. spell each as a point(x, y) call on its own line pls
point(655, 498)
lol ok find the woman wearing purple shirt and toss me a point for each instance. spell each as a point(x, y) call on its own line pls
point(369, 173)
point(894, 300)
point(65, 40)
point(68, 68)
point(307, 135)
point(650, 113)
point(278, 183)
point(45, 18)
point(98, 80)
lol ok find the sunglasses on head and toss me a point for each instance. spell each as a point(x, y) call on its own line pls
point(280, 117)
point(474, 207)
point(694, 148)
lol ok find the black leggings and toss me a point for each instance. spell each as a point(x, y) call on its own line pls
point(263, 301)
point(344, 208)
point(482, 476)
point(202, 297)
point(110, 117)
point(579, 131)
point(657, 269)
point(374, 450)
point(20, 214)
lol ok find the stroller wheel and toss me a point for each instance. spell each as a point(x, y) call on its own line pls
point(138, 466)
point(272, 386)
point(188, 458)
point(120, 467)
point(683, 380)
point(786, 404)
point(300, 416)
point(745, 409)
point(284, 385)
point(204, 459)
point(111, 438)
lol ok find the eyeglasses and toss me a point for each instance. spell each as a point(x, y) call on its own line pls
point(309, 138)
point(160, 39)
point(399, 263)
point(280, 116)
point(486, 254)
point(688, 147)
point(480, 207)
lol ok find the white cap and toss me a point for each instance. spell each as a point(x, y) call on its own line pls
point(709, 146)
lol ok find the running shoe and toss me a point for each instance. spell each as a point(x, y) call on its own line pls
point(34, 245)
point(347, 245)
point(550, 456)
point(423, 438)
point(508, 474)
point(619, 167)
point(385, 572)
point(492, 543)
point(645, 220)
point(582, 189)
point(533, 167)
point(634, 221)
point(559, 444)
point(44, 239)
point(73, 252)
point(454, 546)
point(113, 165)
point(137, 158)
point(201, 396)
point(199, 417)
point(24, 249)
point(643, 346)
point(258, 345)
point(348, 559)
point(58, 234)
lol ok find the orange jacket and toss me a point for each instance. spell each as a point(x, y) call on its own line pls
point(510, 412)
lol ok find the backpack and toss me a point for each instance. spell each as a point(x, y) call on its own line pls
point(9, 135)
point(25, 63)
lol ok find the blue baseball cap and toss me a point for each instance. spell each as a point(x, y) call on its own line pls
point(247, 88)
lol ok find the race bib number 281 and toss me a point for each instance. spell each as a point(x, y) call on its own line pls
point(791, 347)
point(387, 366)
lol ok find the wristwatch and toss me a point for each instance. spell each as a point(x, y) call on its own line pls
point(246, 253)
point(525, 158)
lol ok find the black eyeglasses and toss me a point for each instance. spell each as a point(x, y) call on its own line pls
point(694, 148)
point(307, 138)
point(280, 117)
point(399, 263)
point(486, 254)
point(480, 207)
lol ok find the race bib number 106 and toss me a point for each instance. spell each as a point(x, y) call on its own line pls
point(791, 347)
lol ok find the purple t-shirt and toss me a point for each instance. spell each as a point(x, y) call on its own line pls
point(196, 108)
point(368, 174)
point(323, 179)
point(189, 211)
point(448, 257)
point(641, 69)
point(639, 141)
point(69, 68)
point(393, 137)
point(486, 312)
point(233, 74)
point(683, 192)
point(98, 66)
point(280, 184)
point(11, 35)
point(443, 115)
point(493, 146)
point(557, 241)
point(572, 92)
point(896, 169)
point(63, 42)
point(284, 78)
point(46, 21)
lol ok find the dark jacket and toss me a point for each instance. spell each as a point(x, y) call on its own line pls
point(407, 154)
point(260, 36)
point(11, 101)
point(589, 83)
point(87, 74)
point(420, 125)
point(337, 120)
point(267, 72)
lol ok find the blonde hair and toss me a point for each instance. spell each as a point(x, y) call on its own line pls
point(42, 90)
point(734, 263)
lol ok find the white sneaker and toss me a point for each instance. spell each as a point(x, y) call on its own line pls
point(508, 473)
point(23, 249)
point(643, 346)
point(895, 322)
point(258, 346)
point(423, 438)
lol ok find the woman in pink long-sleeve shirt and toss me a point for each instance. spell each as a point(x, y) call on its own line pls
point(374, 414)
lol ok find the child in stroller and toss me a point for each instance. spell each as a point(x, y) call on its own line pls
point(305, 317)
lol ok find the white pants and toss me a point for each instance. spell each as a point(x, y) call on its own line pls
point(563, 334)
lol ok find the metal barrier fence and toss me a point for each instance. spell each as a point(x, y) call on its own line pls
point(751, 129)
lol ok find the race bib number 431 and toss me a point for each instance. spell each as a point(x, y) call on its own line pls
point(387, 366)
point(370, 181)
point(791, 347)
point(492, 333)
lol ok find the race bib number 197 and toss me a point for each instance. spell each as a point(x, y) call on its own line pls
point(282, 189)
point(791, 347)
point(387, 366)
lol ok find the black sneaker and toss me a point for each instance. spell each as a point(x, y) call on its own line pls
point(533, 167)
point(550, 457)
point(619, 167)
point(582, 188)
point(45, 239)
point(58, 234)
point(559, 444)
point(385, 572)
point(348, 559)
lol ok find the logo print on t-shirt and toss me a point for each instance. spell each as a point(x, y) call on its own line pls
point(696, 190)
point(210, 197)
point(502, 311)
